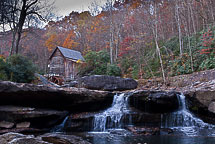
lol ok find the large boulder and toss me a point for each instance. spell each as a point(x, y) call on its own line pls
point(5, 124)
point(154, 101)
point(71, 99)
point(107, 83)
point(25, 117)
point(201, 102)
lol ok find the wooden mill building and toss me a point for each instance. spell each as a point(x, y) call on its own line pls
point(64, 62)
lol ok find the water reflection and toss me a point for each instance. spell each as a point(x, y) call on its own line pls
point(113, 139)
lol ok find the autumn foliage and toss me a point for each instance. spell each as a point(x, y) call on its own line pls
point(136, 35)
point(208, 42)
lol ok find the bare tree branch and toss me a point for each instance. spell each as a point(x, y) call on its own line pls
point(30, 5)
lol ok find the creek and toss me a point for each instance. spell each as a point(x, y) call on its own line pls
point(109, 126)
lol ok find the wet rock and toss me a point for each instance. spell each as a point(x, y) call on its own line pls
point(5, 124)
point(27, 140)
point(211, 107)
point(23, 130)
point(62, 139)
point(23, 125)
point(73, 84)
point(205, 97)
point(39, 118)
point(166, 131)
point(8, 137)
point(85, 121)
point(154, 101)
point(198, 102)
point(71, 99)
point(93, 100)
point(79, 122)
point(109, 83)
point(147, 131)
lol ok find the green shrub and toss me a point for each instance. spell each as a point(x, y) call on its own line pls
point(20, 69)
point(3, 68)
point(208, 63)
point(135, 72)
point(98, 63)
point(113, 70)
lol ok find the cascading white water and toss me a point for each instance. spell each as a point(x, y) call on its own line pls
point(112, 117)
point(184, 120)
point(59, 128)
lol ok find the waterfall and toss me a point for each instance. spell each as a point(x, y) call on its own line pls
point(184, 120)
point(59, 128)
point(114, 116)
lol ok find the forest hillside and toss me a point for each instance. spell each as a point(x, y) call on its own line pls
point(131, 38)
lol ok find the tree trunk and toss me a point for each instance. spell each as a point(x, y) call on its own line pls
point(20, 24)
point(179, 29)
point(192, 17)
point(161, 61)
point(111, 47)
point(13, 42)
point(155, 33)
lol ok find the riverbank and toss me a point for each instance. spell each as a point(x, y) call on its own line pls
point(198, 87)
point(27, 108)
point(180, 83)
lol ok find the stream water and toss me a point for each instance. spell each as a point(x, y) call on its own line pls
point(183, 120)
point(108, 126)
point(60, 127)
point(113, 117)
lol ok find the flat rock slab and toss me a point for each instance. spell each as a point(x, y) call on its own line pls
point(5, 124)
point(23, 130)
point(72, 99)
point(24, 116)
point(23, 125)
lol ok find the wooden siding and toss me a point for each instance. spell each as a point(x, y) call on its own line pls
point(56, 65)
point(70, 69)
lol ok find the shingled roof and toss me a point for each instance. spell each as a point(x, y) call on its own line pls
point(68, 53)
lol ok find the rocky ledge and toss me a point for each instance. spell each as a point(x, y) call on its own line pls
point(70, 99)
point(201, 100)
point(83, 122)
point(22, 118)
point(154, 101)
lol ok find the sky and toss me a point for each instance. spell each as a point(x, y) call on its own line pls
point(64, 7)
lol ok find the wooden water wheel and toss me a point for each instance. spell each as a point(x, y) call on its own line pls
point(57, 80)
